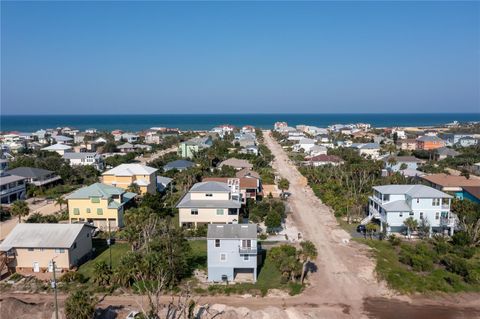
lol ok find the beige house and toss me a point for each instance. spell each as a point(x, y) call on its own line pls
point(125, 175)
point(210, 203)
point(31, 248)
point(98, 204)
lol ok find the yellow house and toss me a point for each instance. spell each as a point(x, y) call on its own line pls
point(125, 175)
point(98, 204)
point(32, 247)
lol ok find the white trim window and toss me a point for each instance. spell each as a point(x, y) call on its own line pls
point(223, 257)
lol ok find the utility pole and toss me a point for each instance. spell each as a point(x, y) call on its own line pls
point(54, 286)
point(109, 242)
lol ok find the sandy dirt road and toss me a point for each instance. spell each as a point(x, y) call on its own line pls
point(145, 160)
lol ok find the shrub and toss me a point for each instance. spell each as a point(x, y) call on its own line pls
point(460, 239)
point(455, 264)
point(473, 276)
point(73, 276)
point(394, 240)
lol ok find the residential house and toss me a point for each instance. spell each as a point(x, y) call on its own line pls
point(163, 182)
point(467, 141)
point(407, 144)
point(41, 136)
point(450, 183)
point(61, 139)
point(58, 148)
point(85, 158)
point(248, 129)
point(100, 140)
point(371, 150)
point(304, 144)
point(152, 137)
point(323, 159)
point(128, 137)
point(391, 205)
point(232, 253)
point(126, 148)
point(32, 248)
point(79, 138)
point(444, 152)
point(250, 149)
point(179, 165)
point(91, 131)
point(476, 168)
point(280, 125)
point(322, 138)
point(209, 203)
point(125, 175)
point(99, 204)
point(317, 150)
point(429, 142)
point(191, 147)
point(236, 163)
point(248, 173)
point(35, 176)
point(249, 187)
point(143, 147)
point(12, 188)
point(294, 135)
point(397, 163)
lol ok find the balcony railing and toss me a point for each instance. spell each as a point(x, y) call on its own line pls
point(447, 221)
point(247, 250)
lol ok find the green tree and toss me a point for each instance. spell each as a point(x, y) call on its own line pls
point(60, 201)
point(468, 214)
point(411, 224)
point(80, 305)
point(20, 209)
point(285, 257)
point(391, 161)
point(102, 274)
point(134, 188)
point(283, 184)
point(273, 221)
point(307, 254)
point(403, 166)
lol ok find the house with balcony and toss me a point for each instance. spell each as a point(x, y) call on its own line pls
point(429, 142)
point(99, 205)
point(210, 203)
point(36, 176)
point(391, 205)
point(232, 253)
point(249, 187)
point(125, 175)
point(12, 188)
point(59, 148)
point(369, 150)
point(85, 158)
point(189, 148)
point(450, 183)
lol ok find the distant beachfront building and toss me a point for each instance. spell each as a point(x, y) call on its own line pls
point(429, 142)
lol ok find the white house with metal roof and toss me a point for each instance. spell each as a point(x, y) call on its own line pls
point(232, 252)
point(391, 205)
point(59, 148)
point(31, 248)
point(210, 203)
point(85, 158)
point(125, 175)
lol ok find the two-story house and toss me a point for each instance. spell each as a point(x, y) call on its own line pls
point(98, 204)
point(125, 175)
point(249, 187)
point(189, 148)
point(85, 158)
point(393, 204)
point(209, 203)
point(12, 188)
point(429, 142)
point(232, 252)
point(36, 176)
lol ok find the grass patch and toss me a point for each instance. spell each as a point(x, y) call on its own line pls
point(350, 228)
point(118, 251)
point(198, 255)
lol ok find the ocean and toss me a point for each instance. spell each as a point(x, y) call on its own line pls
point(30, 123)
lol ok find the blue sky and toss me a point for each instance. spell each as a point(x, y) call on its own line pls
point(227, 57)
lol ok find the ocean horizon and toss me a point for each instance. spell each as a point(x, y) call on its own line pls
point(138, 122)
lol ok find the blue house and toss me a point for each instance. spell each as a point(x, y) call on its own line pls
point(472, 193)
point(232, 252)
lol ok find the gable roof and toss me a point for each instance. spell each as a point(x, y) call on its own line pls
point(29, 172)
point(403, 159)
point(125, 145)
point(130, 170)
point(232, 231)
point(57, 147)
point(42, 236)
point(429, 138)
point(245, 172)
point(96, 190)
point(75, 155)
point(325, 158)
point(6, 179)
point(179, 164)
point(415, 191)
point(245, 182)
point(445, 180)
point(473, 190)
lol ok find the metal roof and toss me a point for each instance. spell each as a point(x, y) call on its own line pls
point(29, 172)
point(42, 236)
point(210, 187)
point(130, 170)
point(397, 206)
point(74, 155)
point(96, 190)
point(6, 179)
point(235, 162)
point(57, 147)
point(178, 164)
point(232, 231)
point(415, 191)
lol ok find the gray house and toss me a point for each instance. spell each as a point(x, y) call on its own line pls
point(232, 252)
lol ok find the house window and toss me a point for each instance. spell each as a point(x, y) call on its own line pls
point(60, 250)
point(76, 211)
point(208, 195)
point(418, 200)
point(232, 211)
point(194, 212)
point(99, 211)
point(223, 257)
point(421, 215)
point(30, 249)
point(246, 258)
point(435, 201)
point(401, 215)
point(217, 242)
point(95, 200)
point(220, 211)
point(411, 213)
point(437, 215)
point(386, 198)
point(246, 243)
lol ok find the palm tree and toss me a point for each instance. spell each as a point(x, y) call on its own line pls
point(391, 161)
point(308, 253)
point(80, 305)
point(102, 273)
point(60, 201)
point(134, 188)
point(411, 224)
point(20, 209)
